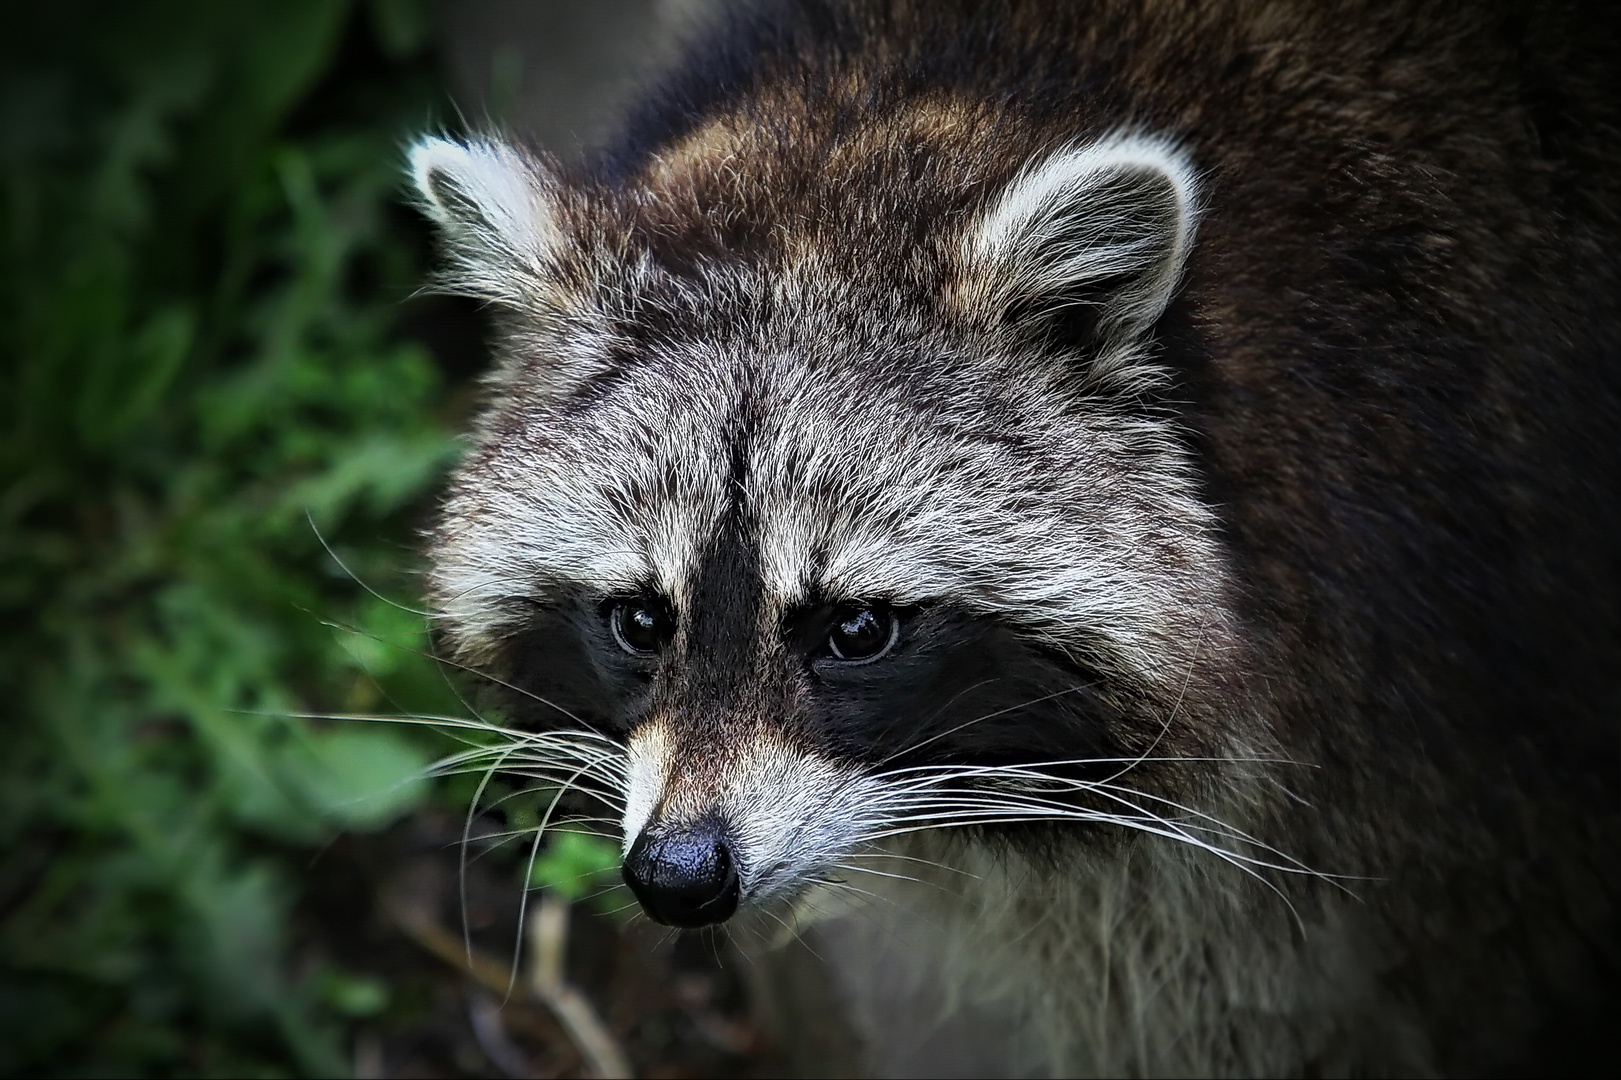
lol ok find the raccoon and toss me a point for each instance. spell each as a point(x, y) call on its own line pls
point(1128, 487)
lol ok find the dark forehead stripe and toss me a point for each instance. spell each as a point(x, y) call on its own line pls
point(725, 603)
point(723, 618)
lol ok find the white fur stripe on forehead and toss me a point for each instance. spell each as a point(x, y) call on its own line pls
point(1107, 224)
point(495, 206)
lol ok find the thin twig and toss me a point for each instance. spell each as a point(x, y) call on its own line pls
point(548, 943)
point(420, 927)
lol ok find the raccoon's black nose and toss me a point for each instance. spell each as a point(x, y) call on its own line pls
point(685, 877)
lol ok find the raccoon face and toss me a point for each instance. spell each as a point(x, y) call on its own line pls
point(842, 528)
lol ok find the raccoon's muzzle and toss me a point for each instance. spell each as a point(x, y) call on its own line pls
point(686, 877)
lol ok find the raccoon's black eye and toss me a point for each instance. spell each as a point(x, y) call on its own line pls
point(641, 625)
point(862, 632)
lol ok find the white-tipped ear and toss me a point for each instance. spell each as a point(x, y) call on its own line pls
point(496, 207)
point(1095, 235)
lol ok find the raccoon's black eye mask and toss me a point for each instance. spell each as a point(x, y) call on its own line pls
point(925, 684)
point(850, 633)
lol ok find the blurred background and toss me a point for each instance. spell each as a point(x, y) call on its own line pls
point(226, 415)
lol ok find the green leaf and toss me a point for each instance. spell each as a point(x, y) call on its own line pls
point(358, 777)
point(236, 933)
point(354, 995)
point(576, 865)
point(157, 352)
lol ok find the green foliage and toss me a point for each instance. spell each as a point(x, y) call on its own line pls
point(201, 388)
point(580, 866)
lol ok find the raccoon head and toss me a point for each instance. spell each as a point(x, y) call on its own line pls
point(837, 496)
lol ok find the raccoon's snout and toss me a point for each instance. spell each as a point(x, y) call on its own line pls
point(686, 877)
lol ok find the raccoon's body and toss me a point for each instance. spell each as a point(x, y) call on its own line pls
point(1150, 469)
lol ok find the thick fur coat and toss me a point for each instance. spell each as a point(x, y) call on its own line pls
point(1215, 405)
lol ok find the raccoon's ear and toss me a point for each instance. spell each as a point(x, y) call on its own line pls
point(1089, 241)
point(496, 208)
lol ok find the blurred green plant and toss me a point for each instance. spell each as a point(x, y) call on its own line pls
point(203, 390)
point(580, 866)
